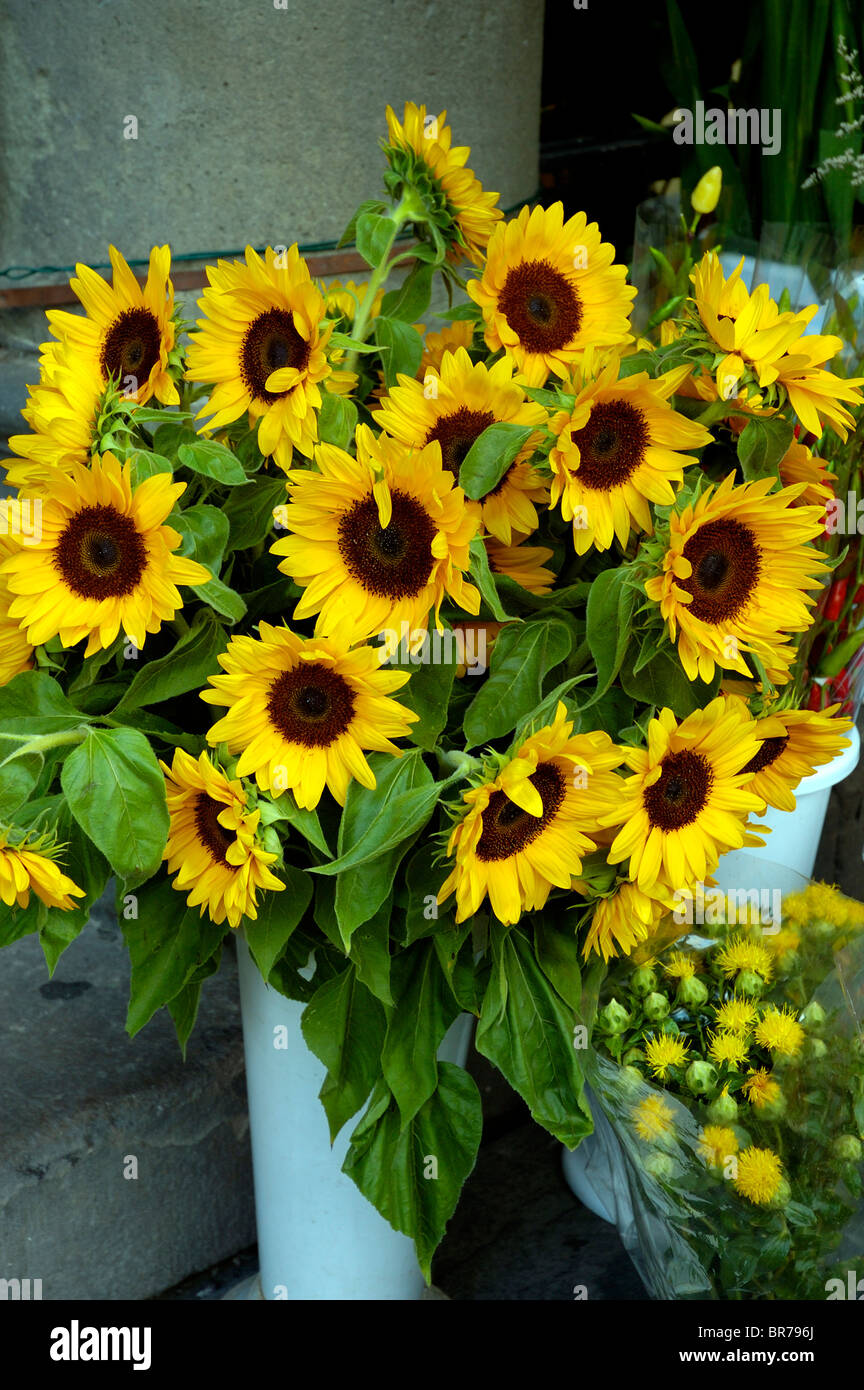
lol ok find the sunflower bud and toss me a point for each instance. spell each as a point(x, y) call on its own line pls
point(749, 984)
point(723, 1110)
point(706, 194)
point(692, 993)
point(656, 1007)
point(701, 1077)
point(614, 1018)
point(847, 1148)
point(643, 980)
point(813, 1018)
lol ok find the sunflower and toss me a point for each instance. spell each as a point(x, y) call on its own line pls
point(815, 394)
point(23, 867)
point(524, 564)
point(799, 465)
point(522, 833)
point(455, 405)
point(796, 742)
point(665, 1052)
point(686, 802)
point(621, 921)
point(759, 1176)
point(735, 575)
point(212, 841)
point(736, 1016)
point(727, 1048)
point(739, 954)
point(421, 153)
point(760, 1088)
point(780, 1031)
point(459, 333)
point(377, 540)
point(104, 559)
point(653, 1119)
point(717, 1143)
point(263, 347)
point(549, 290)
point(302, 711)
point(61, 412)
point(127, 333)
point(16, 653)
point(616, 452)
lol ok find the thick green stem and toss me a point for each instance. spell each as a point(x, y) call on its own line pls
point(363, 317)
point(42, 742)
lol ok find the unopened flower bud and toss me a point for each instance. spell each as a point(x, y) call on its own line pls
point(643, 980)
point(774, 1109)
point(630, 1078)
point(661, 1167)
point(749, 984)
point(813, 1018)
point(706, 194)
point(632, 1056)
point(847, 1148)
point(782, 1195)
point(614, 1018)
point(723, 1110)
point(815, 1049)
point(656, 1006)
point(701, 1078)
point(693, 993)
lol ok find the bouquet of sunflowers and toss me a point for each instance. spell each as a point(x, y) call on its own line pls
point(399, 638)
point(735, 1118)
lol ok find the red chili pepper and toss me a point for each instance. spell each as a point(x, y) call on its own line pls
point(840, 685)
point(836, 599)
point(814, 699)
point(859, 597)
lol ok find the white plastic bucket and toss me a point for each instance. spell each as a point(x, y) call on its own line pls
point(318, 1236)
point(795, 835)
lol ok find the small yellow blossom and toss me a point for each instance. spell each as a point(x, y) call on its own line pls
point(665, 1052)
point(780, 1031)
point(759, 1175)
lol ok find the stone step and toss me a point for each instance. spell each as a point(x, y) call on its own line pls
point(79, 1099)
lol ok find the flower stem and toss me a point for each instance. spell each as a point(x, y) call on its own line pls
point(362, 319)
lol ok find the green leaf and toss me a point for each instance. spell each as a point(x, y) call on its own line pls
point(559, 957)
point(337, 420)
point(455, 951)
point(186, 667)
point(145, 465)
point(361, 891)
point(213, 460)
point(343, 1024)
point(425, 1008)
point(205, 534)
point(168, 944)
point(392, 1165)
point(116, 792)
point(663, 681)
point(490, 456)
point(423, 879)
point(225, 600)
point(278, 916)
point(350, 232)
point(370, 951)
point(33, 703)
point(526, 1031)
point(374, 235)
point(17, 781)
point(609, 619)
point(411, 300)
point(285, 808)
point(402, 348)
point(483, 578)
point(521, 657)
point(428, 691)
point(375, 820)
point(461, 312)
point(249, 511)
point(761, 446)
point(90, 870)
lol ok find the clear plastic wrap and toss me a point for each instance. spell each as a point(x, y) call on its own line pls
point(727, 1089)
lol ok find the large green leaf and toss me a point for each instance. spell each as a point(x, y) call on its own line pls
point(116, 792)
point(278, 916)
point(205, 533)
point(428, 691)
point(370, 951)
point(183, 1008)
point(609, 624)
point(485, 580)
point(249, 511)
point(337, 420)
point(490, 456)
point(186, 667)
point(425, 1008)
point(83, 862)
point(414, 1175)
point(663, 681)
point(402, 348)
point(33, 703)
point(522, 656)
point(761, 446)
point(343, 1024)
point(526, 1031)
point(411, 300)
point(376, 820)
point(361, 891)
point(285, 808)
point(168, 944)
point(213, 460)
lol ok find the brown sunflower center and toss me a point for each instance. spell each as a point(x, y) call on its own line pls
point(271, 342)
point(726, 563)
point(456, 433)
point(101, 553)
point(541, 305)
point(768, 753)
point(311, 705)
point(394, 560)
point(507, 828)
point(680, 791)
point(212, 835)
point(612, 445)
point(131, 346)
